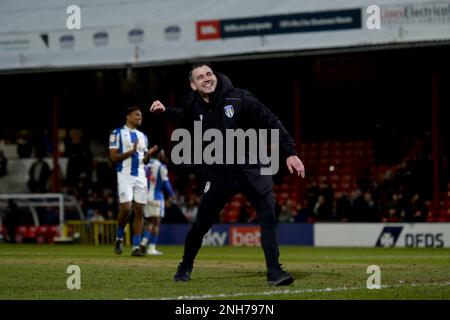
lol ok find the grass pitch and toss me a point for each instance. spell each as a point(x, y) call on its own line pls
point(29, 271)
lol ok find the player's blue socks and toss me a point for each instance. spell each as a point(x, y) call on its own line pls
point(120, 233)
point(151, 238)
point(136, 240)
point(146, 235)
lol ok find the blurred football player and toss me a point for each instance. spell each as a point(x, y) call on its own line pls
point(158, 182)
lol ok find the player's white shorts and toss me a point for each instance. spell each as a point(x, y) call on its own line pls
point(154, 208)
point(131, 188)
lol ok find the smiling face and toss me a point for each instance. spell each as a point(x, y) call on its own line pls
point(134, 119)
point(203, 80)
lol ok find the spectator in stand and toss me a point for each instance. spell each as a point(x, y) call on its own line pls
point(323, 210)
point(389, 185)
point(302, 215)
point(327, 191)
point(247, 214)
point(365, 208)
point(403, 178)
point(105, 173)
point(395, 209)
point(191, 209)
point(109, 208)
point(41, 142)
point(343, 208)
point(97, 217)
point(286, 213)
point(312, 194)
point(416, 210)
point(87, 162)
point(93, 203)
point(24, 146)
point(39, 176)
point(80, 164)
point(3, 164)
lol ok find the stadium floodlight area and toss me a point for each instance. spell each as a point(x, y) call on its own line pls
point(45, 200)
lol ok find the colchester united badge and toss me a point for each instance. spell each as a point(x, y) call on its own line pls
point(229, 111)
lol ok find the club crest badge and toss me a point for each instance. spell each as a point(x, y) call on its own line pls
point(229, 111)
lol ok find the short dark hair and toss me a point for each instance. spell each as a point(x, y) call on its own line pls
point(198, 65)
point(130, 110)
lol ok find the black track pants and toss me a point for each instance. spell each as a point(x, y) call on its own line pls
point(220, 191)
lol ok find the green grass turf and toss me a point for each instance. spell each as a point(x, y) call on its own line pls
point(30, 271)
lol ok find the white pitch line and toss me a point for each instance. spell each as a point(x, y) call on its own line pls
point(288, 291)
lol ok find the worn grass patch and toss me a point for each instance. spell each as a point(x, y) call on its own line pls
point(31, 271)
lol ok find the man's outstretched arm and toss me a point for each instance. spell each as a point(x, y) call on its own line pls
point(172, 114)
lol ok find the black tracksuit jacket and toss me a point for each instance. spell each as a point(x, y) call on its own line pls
point(248, 113)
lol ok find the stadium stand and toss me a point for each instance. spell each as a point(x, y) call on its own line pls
point(343, 177)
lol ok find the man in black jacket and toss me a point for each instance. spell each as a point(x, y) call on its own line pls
point(218, 105)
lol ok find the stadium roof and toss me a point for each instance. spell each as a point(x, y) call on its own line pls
point(34, 34)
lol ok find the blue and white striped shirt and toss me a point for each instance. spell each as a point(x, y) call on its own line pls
point(158, 180)
point(123, 138)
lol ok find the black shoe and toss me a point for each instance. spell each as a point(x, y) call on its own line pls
point(143, 249)
point(183, 273)
point(279, 277)
point(137, 253)
point(118, 249)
